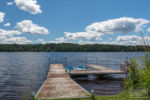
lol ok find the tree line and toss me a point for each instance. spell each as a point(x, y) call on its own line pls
point(70, 47)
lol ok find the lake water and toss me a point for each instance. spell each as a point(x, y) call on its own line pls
point(24, 72)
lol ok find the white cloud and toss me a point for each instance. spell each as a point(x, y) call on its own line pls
point(83, 35)
point(60, 40)
point(148, 29)
point(110, 39)
point(29, 6)
point(2, 15)
point(110, 42)
point(120, 25)
point(9, 3)
point(83, 42)
point(9, 33)
point(122, 40)
point(2, 37)
point(41, 41)
point(7, 24)
point(133, 40)
point(97, 29)
point(8, 37)
point(29, 27)
point(15, 40)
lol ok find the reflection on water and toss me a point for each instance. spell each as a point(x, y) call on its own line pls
point(104, 85)
point(22, 72)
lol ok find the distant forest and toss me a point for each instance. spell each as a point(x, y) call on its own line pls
point(70, 47)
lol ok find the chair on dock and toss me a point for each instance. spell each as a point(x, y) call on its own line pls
point(70, 68)
point(80, 67)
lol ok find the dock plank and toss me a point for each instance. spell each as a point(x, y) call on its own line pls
point(59, 85)
point(97, 69)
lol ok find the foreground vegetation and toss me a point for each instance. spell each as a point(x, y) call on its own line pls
point(139, 77)
point(70, 47)
point(125, 95)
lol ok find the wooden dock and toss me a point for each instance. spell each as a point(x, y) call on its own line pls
point(59, 85)
point(97, 69)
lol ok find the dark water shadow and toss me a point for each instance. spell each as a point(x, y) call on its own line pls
point(101, 85)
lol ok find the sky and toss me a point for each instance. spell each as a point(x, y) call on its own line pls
point(125, 22)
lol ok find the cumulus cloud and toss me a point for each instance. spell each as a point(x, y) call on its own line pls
point(110, 42)
point(9, 3)
point(29, 27)
point(120, 25)
point(83, 35)
point(110, 39)
point(15, 40)
point(2, 15)
point(8, 37)
point(97, 29)
point(133, 40)
point(7, 24)
point(30, 6)
point(9, 33)
point(83, 42)
point(41, 41)
point(2, 37)
point(148, 29)
point(60, 40)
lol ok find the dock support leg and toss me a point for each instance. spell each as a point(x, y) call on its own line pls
point(65, 58)
point(97, 61)
point(85, 62)
point(126, 59)
point(126, 75)
point(49, 59)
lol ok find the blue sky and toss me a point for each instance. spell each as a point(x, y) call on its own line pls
point(77, 21)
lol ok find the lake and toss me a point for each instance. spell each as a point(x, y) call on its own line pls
point(24, 72)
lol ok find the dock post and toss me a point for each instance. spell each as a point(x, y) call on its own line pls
point(97, 61)
point(126, 59)
point(49, 59)
point(86, 62)
point(126, 75)
point(65, 58)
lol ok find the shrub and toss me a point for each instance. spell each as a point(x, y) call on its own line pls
point(139, 78)
point(133, 79)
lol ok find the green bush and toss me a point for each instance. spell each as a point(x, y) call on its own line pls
point(139, 77)
point(146, 74)
point(133, 79)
